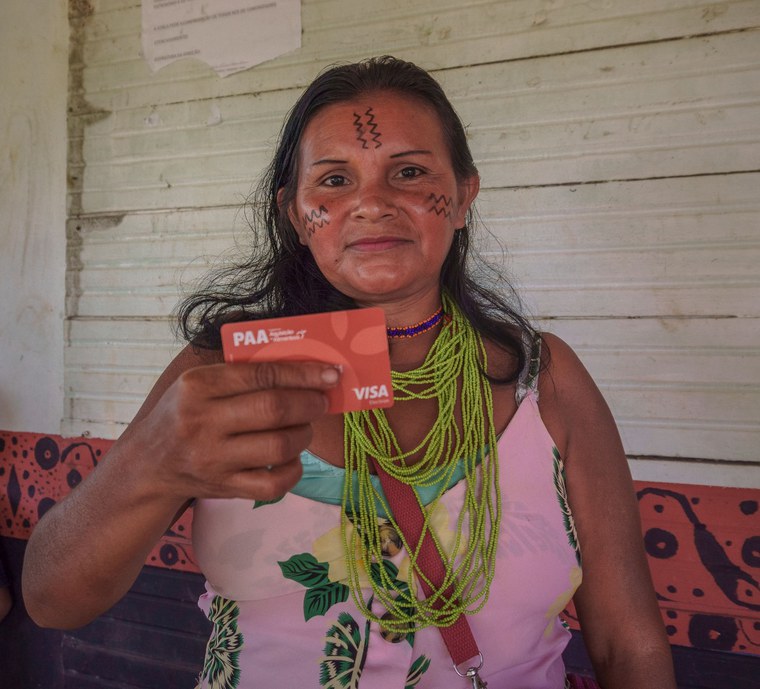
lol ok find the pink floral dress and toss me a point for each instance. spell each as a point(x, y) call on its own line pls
point(283, 615)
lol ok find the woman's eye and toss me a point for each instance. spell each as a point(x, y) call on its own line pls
point(409, 172)
point(334, 181)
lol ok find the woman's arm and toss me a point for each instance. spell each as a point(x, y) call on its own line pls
point(205, 430)
point(616, 603)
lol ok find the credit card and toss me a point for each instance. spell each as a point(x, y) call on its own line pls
point(354, 341)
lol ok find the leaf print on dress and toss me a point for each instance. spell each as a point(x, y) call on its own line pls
point(221, 669)
point(321, 593)
point(345, 653)
point(419, 667)
point(405, 600)
point(261, 503)
point(567, 515)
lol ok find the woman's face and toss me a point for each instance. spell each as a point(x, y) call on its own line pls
point(377, 202)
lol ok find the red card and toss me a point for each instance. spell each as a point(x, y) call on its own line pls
point(355, 341)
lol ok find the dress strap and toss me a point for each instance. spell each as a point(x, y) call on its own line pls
point(528, 380)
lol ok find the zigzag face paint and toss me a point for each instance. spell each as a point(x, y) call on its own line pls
point(315, 220)
point(442, 204)
point(366, 127)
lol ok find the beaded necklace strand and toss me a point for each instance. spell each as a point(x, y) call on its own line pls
point(409, 331)
point(456, 355)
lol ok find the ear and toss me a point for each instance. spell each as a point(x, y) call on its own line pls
point(292, 215)
point(468, 190)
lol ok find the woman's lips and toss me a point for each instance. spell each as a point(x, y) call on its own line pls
point(370, 244)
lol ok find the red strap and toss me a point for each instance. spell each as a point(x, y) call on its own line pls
point(406, 510)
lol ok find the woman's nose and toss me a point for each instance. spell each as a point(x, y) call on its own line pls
point(374, 202)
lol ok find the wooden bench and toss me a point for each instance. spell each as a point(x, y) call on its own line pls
point(703, 545)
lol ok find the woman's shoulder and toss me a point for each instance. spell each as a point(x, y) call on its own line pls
point(572, 407)
point(568, 397)
point(563, 374)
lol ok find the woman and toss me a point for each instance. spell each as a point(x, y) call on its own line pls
point(314, 576)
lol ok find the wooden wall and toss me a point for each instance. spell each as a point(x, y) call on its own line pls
point(618, 144)
point(33, 83)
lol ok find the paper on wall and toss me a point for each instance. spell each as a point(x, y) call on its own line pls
point(229, 35)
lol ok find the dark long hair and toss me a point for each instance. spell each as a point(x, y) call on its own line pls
point(280, 277)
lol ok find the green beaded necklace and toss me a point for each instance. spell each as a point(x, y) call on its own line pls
point(451, 371)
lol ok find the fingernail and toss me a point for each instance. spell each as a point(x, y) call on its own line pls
point(330, 376)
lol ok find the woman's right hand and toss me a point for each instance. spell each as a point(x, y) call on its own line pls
point(231, 430)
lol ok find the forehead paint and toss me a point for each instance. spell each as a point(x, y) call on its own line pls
point(316, 219)
point(441, 205)
point(367, 127)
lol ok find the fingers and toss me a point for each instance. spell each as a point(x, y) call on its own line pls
point(224, 380)
point(222, 425)
point(265, 410)
point(265, 448)
point(257, 466)
point(265, 484)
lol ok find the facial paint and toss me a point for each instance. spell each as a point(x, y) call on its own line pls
point(366, 128)
point(315, 220)
point(442, 205)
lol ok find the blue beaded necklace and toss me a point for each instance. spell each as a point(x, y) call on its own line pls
point(417, 328)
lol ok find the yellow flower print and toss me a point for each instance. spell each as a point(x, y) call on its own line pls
point(561, 601)
point(329, 548)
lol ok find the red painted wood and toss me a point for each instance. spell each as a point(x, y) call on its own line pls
point(38, 470)
point(703, 544)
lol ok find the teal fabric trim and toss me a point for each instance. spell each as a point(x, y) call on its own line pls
point(323, 482)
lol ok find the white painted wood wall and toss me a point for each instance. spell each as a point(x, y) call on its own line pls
point(619, 146)
point(33, 67)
